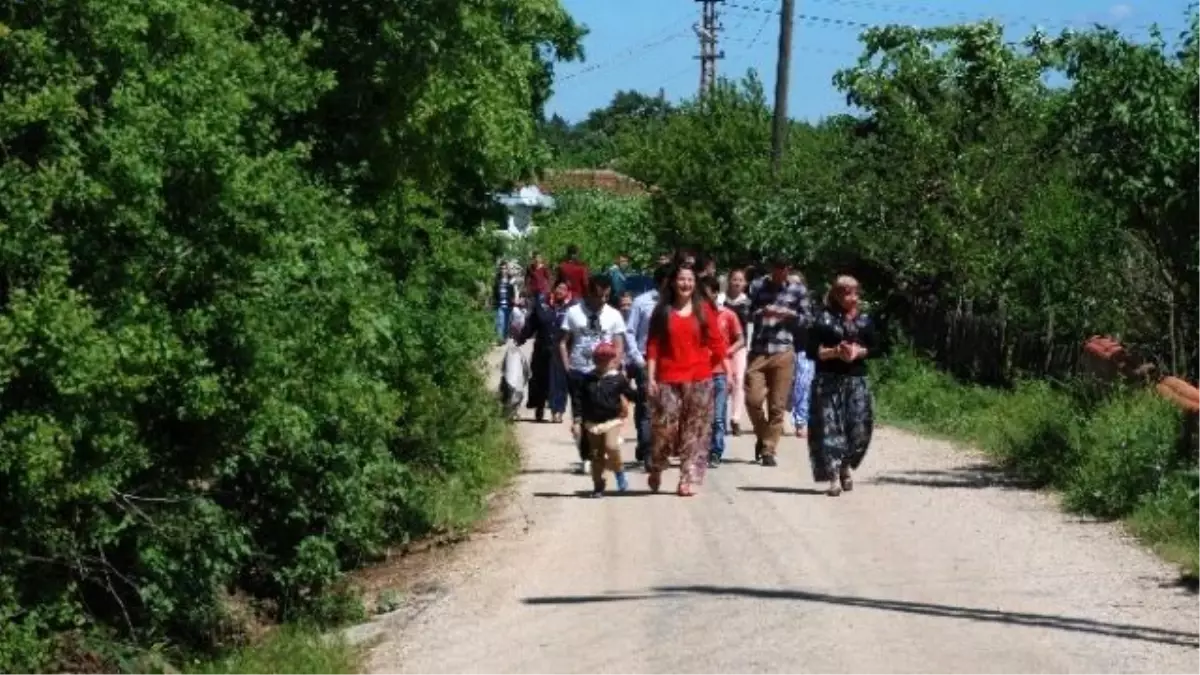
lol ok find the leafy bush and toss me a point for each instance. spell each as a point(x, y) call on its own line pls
point(1128, 449)
point(238, 348)
point(1113, 457)
point(603, 225)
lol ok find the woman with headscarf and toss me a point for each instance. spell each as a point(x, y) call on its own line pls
point(548, 381)
point(683, 348)
point(841, 420)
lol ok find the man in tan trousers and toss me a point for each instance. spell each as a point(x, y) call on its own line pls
point(777, 308)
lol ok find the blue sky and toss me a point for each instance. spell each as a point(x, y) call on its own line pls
point(648, 44)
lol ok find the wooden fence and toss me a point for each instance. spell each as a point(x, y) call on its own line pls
point(985, 348)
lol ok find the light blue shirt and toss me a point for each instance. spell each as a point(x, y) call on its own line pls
point(637, 329)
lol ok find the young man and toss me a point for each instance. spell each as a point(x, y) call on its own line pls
point(574, 272)
point(585, 326)
point(731, 333)
point(636, 334)
point(777, 306)
point(618, 275)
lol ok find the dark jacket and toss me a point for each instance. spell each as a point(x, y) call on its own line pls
point(497, 284)
point(600, 396)
point(830, 329)
point(544, 325)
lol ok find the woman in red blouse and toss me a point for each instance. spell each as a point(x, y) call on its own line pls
point(684, 345)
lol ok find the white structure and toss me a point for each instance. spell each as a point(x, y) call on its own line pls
point(521, 206)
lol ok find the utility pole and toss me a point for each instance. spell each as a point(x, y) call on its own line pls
point(779, 126)
point(707, 31)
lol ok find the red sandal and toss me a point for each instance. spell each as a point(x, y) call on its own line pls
point(685, 490)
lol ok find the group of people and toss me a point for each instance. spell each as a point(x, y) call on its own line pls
point(688, 356)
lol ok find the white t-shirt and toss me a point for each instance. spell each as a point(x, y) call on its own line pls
point(605, 326)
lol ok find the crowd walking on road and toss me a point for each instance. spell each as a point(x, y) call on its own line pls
point(691, 353)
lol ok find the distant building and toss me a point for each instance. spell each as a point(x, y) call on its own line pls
point(592, 179)
point(521, 206)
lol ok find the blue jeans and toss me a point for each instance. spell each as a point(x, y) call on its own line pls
point(575, 381)
point(802, 390)
point(641, 414)
point(720, 415)
point(503, 314)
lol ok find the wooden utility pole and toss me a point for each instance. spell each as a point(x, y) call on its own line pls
point(707, 31)
point(780, 123)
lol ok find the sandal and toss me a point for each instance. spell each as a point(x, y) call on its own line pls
point(685, 490)
point(835, 490)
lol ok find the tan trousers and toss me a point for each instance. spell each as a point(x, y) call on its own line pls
point(605, 446)
point(769, 385)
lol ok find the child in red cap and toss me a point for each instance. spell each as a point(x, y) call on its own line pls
point(604, 400)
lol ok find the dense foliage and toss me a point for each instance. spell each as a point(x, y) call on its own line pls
point(997, 219)
point(1044, 212)
point(240, 243)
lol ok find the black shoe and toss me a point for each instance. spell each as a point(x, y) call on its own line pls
point(735, 429)
point(758, 451)
point(540, 415)
point(769, 460)
point(646, 465)
point(598, 488)
point(714, 461)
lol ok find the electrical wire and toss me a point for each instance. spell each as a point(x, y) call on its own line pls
point(899, 8)
point(664, 37)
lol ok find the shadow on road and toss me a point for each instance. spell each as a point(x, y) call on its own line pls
point(1051, 621)
point(1187, 582)
point(587, 494)
point(969, 477)
point(781, 490)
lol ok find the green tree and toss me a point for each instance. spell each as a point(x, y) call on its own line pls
point(703, 161)
point(1130, 118)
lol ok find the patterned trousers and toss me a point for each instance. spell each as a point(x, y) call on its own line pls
point(682, 417)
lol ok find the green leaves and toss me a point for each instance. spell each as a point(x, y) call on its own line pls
point(237, 271)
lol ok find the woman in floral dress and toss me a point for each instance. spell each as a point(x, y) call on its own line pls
point(841, 419)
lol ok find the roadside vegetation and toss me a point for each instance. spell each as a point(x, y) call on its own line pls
point(241, 246)
point(996, 222)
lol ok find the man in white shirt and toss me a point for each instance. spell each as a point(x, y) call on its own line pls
point(586, 325)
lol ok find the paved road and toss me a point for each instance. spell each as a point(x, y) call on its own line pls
point(933, 564)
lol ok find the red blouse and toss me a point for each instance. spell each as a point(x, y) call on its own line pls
point(686, 357)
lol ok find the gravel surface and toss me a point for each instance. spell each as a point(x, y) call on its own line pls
point(934, 564)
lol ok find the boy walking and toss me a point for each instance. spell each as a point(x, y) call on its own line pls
point(731, 332)
point(604, 399)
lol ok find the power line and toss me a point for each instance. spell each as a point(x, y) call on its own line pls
point(898, 8)
point(624, 56)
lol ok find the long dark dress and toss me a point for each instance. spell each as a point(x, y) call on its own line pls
point(548, 380)
point(840, 419)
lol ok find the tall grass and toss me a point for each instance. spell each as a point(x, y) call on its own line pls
point(1112, 457)
point(291, 649)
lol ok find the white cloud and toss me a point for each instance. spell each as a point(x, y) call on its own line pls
point(1120, 11)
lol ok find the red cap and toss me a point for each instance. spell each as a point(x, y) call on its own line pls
point(605, 351)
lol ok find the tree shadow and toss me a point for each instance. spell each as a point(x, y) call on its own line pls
point(1187, 581)
point(1050, 621)
point(733, 460)
point(587, 494)
point(781, 490)
point(976, 476)
point(565, 470)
